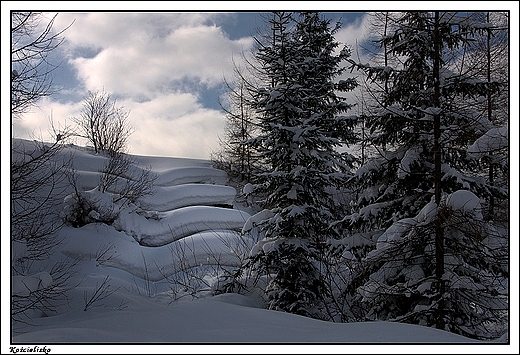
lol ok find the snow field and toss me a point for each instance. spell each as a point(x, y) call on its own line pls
point(135, 282)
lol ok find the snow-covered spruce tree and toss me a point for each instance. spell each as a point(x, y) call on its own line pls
point(301, 126)
point(436, 262)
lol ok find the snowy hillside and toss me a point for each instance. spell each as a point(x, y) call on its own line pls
point(148, 277)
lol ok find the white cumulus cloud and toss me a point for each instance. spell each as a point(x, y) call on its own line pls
point(139, 55)
point(174, 125)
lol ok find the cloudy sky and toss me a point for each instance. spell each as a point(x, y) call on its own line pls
point(165, 68)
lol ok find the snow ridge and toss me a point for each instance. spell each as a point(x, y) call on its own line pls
point(191, 208)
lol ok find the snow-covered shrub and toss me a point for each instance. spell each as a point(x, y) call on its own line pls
point(120, 183)
point(84, 207)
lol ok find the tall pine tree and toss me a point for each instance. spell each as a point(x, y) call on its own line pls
point(301, 127)
point(437, 262)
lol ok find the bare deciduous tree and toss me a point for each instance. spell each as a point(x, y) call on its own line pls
point(38, 180)
point(103, 123)
point(38, 186)
point(31, 68)
point(235, 156)
point(120, 176)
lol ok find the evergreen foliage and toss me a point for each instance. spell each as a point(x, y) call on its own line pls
point(300, 128)
point(425, 236)
point(432, 264)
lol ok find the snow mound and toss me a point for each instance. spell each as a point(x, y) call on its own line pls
point(224, 321)
point(87, 180)
point(191, 174)
point(180, 223)
point(110, 248)
point(168, 198)
point(184, 212)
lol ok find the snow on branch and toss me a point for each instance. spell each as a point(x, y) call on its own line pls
point(493, 140)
